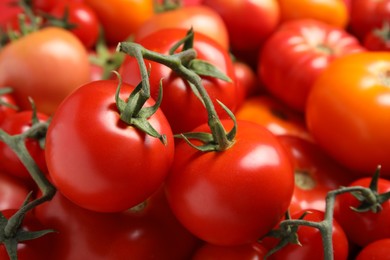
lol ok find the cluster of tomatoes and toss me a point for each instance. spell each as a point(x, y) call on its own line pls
point(194, 129)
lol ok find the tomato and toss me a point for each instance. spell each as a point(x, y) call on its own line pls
point(45, 65)
point(8, 11)
point(363, 228)
point(120, 19)
point(234, 196)
point(378, 39)
point(332, 12)
point(13, 192)
point(97, 160)
point(296, 54)
point(315, 174)
point(8, 104)
point(246, 80)
point(180, 105)
point(82, 17)
point(201, 18)
point(147, 234)
point(35, 249)
point(247, 251)
point(247, 34)
point(274, 115)
point(9, 162)
point(368, 15)
point(379, 249)
point(311, 241)
point(353, 134)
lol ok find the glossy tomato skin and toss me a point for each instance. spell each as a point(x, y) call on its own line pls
point(181, 106)
point(4, 109)
point(353, 134)
point(311, 241)
point(368, 15)
point(98, 161)
point(247, 251)
point(367, 227)
point(9, 162)
point(379, 249)
point(13, 192)
point(315, 174)
point(83, 18)
point(121, 19)
point(39, 65)
point(201, 18)
point(332, 12)
point(296, 54)
point(234, 196)
point(246, 80)
point(274, 115)
point(247, 34)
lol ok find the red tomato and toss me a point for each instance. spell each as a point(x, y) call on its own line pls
point(275, 116)
point(201, 18)
point(297, 53)
point(35, 249)
point(121, 19)
point(181, 106)
point(315, 174)
point(8, 10)
point(311, 241)
point(234, 196)
point(247, 34)
point(97, 160)
point(368, 15)
point(7, 104)
point(246, 80)
point(247, 251)
point(82, 17)
point(379, 249)
point(9, 162)
point(352, 133)
point(332, 12)
point(378, 39)
point(45, 65)
point(363, 228)
point(13, 192)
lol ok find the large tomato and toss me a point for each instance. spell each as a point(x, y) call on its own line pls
point(97, 160)
point(379, 249)
point(201, 18)
point(181, 106)
point(45, 65)
point(348, 113)
point(234, 196)
point(120, 19)
point(333, 12)
point(247, 34)
point(296, 54)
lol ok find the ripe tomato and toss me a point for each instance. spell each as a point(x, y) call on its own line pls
point(201, 18)
point(378, 39)
point(82, 17)
point(13, 192)
point(247, 251)
point(7, 104)
point(379, 249)
point(333, 12)
point(363, 228)
point(275, 116)
point(234, 196)
point(296, 54)
point(97, 160)
point(120, 19)
point(180, 105)
point(247, 34)
point(368, 15)
point(9, 162)
point(311, 241)
point(315, 174)
point(348, 114)
point(45, 65)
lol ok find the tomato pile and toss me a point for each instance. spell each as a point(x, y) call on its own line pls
point(194, 129)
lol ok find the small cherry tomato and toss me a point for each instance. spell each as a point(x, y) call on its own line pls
point(379, 249)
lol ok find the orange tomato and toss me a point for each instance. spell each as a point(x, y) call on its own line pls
point(334, 12)
point(276, 117)
point(203, 19)
point(348, 111)
point(120, 19)
point(46, 65)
